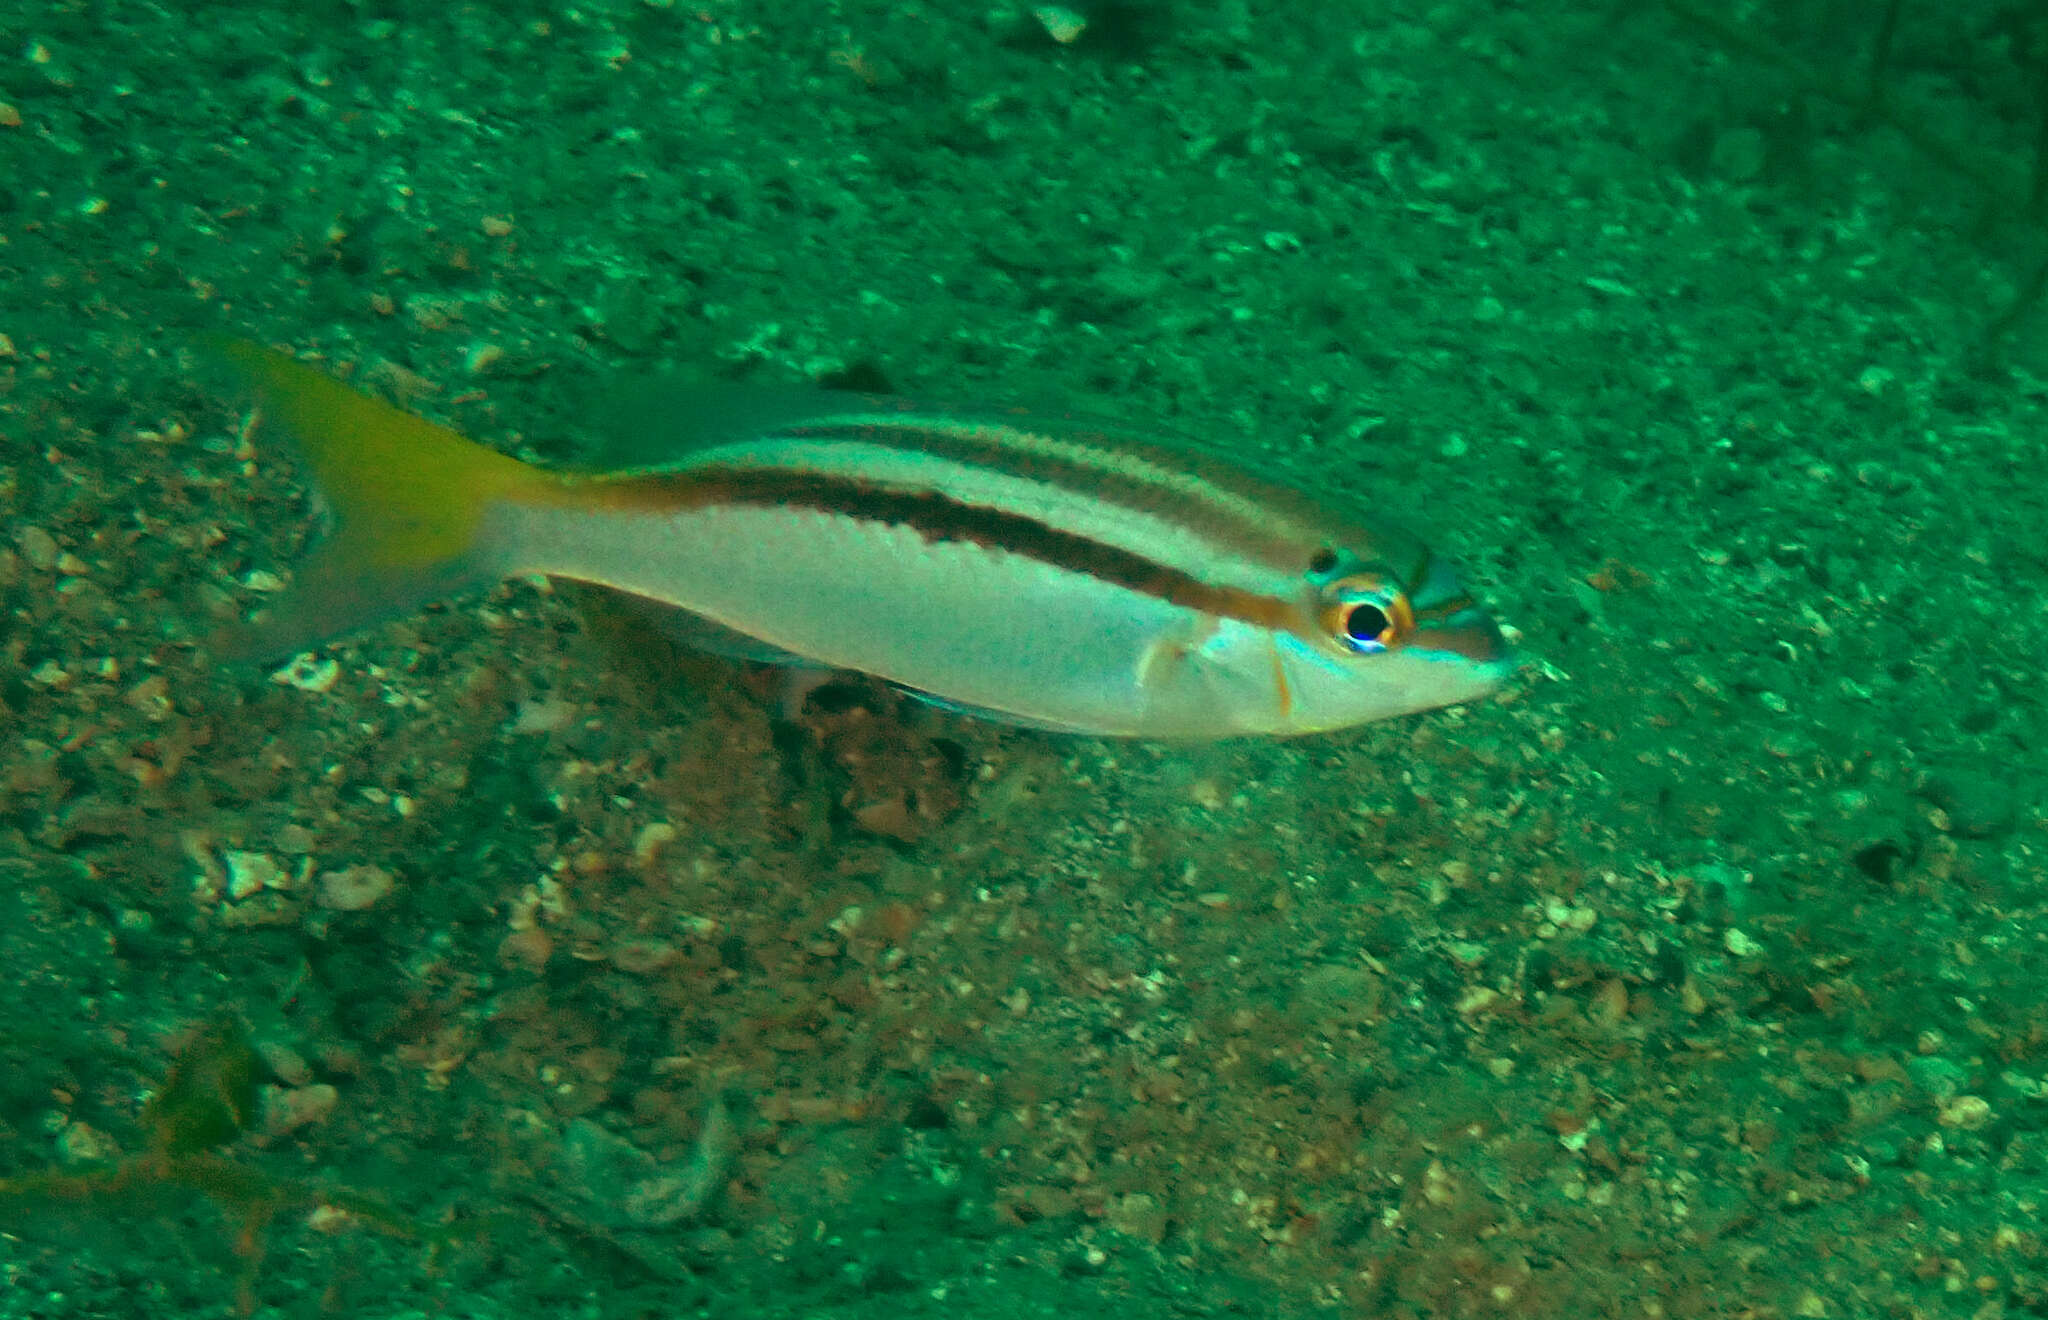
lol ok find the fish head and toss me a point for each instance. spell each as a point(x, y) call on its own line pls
point(1370, 643)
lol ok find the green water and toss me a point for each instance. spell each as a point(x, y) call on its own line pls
point(575, 974)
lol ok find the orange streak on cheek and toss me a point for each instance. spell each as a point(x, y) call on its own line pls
point(1280, 685)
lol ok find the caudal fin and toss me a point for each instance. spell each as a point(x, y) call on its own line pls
point(407, 500)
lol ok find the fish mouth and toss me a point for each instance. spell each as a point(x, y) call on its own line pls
point(1450, 621)
point(1471, 636)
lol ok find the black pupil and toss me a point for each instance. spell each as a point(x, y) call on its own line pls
point(1365, 623)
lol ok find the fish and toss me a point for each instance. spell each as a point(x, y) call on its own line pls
point(1058, 573)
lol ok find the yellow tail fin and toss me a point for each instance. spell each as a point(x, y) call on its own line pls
point(407, 499)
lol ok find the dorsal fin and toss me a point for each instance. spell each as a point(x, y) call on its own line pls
point(664, 423)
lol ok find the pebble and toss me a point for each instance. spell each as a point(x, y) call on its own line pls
point(354, 888)
point(627, 1187)
point(652, 838)
point(1337, 995)
point(1939, 1077)
point(482, 358)
point(1478, 999)
point(152, 696)
point(642, 955)
point(309, 673)
point(1139, 1215)
point(250, 873)
point(1564, 916)
point(529, 948)
point(1968, 1112)
point(1041, 1201)
point(543, 715)
point(295, 839)
point(82, 1143)
point(38, 547)
point(286, 1109)
point(285, 1063)
point(1976, 805)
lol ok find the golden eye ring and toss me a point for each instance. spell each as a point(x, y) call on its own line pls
point(1365, 614)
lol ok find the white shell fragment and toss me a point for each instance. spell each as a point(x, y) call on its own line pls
point(308, 673)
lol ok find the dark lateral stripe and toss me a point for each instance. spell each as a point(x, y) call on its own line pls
point(1221, 502)
point(941, 518)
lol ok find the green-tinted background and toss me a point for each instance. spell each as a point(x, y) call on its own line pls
point(1700, 975)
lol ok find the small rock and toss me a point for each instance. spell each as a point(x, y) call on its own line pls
point(530, 948)
point(1738, 942)
point(1039, 1201)
point(286, 1109)
point(482, 358)
point(152, 696)
point(1609, 1005)
point(1967, 1112)
point(82, 1143)
point(38, 547)
point(1061, 22)
point(355, 888)
point(284, 1062)
point(543, 715)
point(1086, 1258)
point(652, 838)
point(1337, 994)
point(629, 1188)
point(1476, 1000)
point(639, 956)
point(1139, 1216)
point(295, 839)
point(1976, 805)
point(308, 673)
point(1939, 1077)
point(250, 873)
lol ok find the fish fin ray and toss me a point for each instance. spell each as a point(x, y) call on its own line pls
point(662, 426)
point(408, 501)
point(332, 595)
point(990, 713)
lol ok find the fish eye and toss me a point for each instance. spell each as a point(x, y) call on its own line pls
point(1366, 626)
point(1364, 614)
